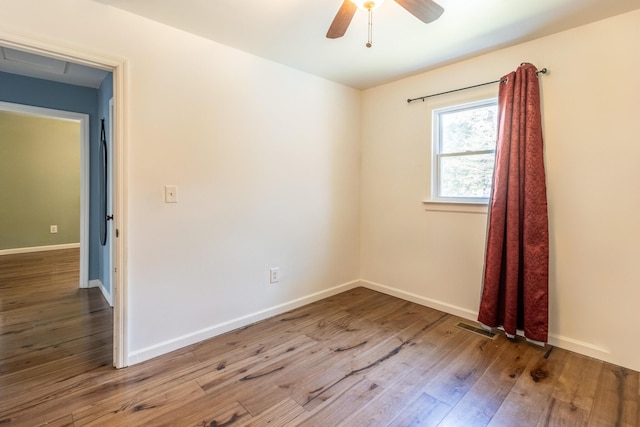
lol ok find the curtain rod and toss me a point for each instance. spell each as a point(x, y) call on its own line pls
point(410, 100)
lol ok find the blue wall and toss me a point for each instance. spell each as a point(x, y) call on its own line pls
point(43, 93)
point(105, 93)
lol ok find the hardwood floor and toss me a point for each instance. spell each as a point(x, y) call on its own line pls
point(359, 358)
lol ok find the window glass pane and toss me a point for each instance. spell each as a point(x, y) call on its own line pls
point(472, 129)
point(466, 176)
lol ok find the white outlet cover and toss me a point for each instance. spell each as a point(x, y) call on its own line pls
point(274, 275)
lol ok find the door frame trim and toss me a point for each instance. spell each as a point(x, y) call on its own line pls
point(118, 66)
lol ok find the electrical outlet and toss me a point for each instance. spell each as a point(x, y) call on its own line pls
point(274, 275)
point(53, 229)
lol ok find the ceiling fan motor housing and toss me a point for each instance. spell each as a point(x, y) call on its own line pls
point(367, 4)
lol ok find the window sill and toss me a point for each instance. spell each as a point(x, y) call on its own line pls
point(461, 207)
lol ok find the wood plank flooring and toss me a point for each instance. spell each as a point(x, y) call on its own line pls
point(359, 358)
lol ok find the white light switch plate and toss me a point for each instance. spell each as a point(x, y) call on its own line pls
point(171, 194)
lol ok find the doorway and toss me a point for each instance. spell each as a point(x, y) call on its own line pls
point(40, 149)
point(114, 257)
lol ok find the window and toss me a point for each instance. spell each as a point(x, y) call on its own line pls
point(464, 147)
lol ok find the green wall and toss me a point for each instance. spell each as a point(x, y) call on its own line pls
point(39, 180)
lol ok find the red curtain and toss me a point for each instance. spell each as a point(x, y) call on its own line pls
point(516, 279)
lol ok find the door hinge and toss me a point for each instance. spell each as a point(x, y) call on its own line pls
point(117, 233)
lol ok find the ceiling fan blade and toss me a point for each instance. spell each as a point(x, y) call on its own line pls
point(342, 20)
point(425, 10)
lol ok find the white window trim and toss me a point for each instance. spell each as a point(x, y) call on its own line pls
point(447, 204)
point(464, 207)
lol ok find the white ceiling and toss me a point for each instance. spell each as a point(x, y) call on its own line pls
point(292, 32)
point(41, 67)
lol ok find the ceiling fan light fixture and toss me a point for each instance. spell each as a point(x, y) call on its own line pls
point(367, 4)
point(425, 10)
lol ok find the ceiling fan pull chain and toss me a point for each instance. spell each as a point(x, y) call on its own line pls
point(370, 27)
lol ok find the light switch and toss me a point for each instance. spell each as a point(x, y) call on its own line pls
point(170, 194)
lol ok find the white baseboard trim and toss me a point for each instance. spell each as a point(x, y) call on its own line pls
point(97, 283)
point(150, 352)
point(560, 341)
point(582, 347)
point(418, 299)
point(239, 322)
point(38, 249)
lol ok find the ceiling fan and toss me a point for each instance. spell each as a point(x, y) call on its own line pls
point(425, 10)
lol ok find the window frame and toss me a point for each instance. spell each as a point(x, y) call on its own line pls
point(437, 155)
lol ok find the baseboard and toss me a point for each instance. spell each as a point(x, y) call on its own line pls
point(97, 283)
point(38, 249)
point(563, 342)
point(239, 322)
point(582, 347)
point(150, 352)
point(419, 299)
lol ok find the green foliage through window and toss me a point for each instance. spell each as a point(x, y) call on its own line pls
point(464, 151)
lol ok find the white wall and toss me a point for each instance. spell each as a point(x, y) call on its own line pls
point(591, 107)
point(266, 160)
point(267, 163)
